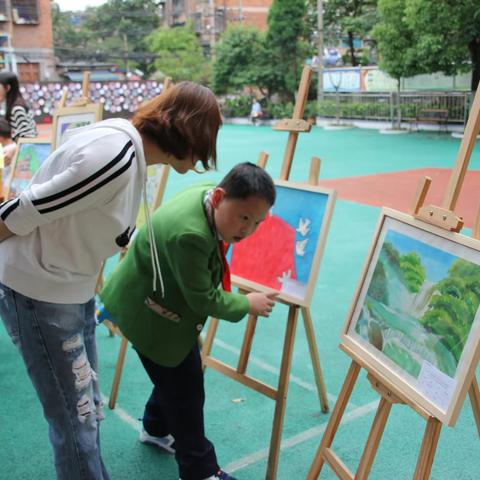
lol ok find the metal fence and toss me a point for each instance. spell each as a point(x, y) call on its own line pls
point(384, 106)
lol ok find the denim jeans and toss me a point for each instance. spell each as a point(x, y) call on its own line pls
point(57, 343)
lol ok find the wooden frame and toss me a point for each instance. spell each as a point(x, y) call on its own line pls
point(313, 226)
point(435, 391)
point(64, 117)
point(22, 144)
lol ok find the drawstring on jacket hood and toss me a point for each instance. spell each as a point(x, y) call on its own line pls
point(153, 246)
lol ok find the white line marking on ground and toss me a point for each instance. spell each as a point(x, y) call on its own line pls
point(269, 368)
point(300, 438)
point(124, 416)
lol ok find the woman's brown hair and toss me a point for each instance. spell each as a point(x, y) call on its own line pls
point(183, 120)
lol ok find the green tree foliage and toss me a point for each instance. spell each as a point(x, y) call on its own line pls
point(353, 18)
point(286, 47)
point(179, 53)
point(122, 26)
point(413, 271)
point(115, 31)
point(396, 44)
point(238, 59)
point(68, 41)
point(453, 306)
point(396, 41)
point(448, 35)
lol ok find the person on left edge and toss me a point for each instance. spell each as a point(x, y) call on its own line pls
point(79, 209)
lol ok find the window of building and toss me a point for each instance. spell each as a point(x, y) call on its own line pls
point(29, 72)
point(3, 11)
point(25, 11)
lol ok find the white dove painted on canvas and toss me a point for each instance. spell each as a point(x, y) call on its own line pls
point(286, 276)
point(300, 246)
point(304, 226)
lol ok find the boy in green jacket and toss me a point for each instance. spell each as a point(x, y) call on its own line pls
point(190, 231)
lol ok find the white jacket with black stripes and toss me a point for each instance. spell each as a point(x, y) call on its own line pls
point(79, 209)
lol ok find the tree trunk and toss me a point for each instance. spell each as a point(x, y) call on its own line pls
point(399, 109)
point(474, 48)
point(351, 46)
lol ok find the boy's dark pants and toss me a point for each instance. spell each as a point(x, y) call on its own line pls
point(176, 407)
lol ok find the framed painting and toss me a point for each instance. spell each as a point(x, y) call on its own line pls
point(415, 315)
point(67, 118)
point(156, 178)
point(284, 253)
point(30, 154)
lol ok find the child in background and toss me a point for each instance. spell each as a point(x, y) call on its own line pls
point(256, 112)
point(18, 114)
point(163, 326)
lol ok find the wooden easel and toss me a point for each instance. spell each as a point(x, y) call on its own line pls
point(445, 218)
point(279, 395)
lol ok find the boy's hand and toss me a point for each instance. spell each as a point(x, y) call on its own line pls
point(261, 304)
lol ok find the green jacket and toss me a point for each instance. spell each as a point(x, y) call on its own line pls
point(191, 270)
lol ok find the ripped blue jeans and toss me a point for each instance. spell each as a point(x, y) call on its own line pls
point(57, 343)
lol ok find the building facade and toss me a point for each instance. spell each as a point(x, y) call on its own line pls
point(210, 18)
point(26, 39)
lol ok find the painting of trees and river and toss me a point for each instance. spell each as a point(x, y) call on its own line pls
point(420, 304)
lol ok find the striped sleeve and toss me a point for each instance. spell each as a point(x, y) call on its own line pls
point(91, 180)
point(22, 123)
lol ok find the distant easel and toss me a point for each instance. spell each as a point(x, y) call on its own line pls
point(82, 111)
point(160, 192)
point(294, 126)
point(445, 218)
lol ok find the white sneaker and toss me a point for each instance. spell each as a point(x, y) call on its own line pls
point(165, 443)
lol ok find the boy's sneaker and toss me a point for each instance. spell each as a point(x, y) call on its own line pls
point(221, 475)
point(166, 443)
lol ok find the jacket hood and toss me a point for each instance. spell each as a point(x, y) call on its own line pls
point(123, 126)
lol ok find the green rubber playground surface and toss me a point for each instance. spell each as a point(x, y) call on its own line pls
point(239, 420)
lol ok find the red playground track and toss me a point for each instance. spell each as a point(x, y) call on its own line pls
point(397, 190)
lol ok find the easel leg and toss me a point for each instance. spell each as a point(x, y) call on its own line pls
point(209, 337)
point(335, 419)
point(111, 327)
point(247, 344)
point(427, 450)
point(315, 357)
point(373, 441)
point(118, 373)
point(474, 393)
point(282, 391)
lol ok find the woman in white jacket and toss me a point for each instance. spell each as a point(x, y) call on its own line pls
point(79, 209)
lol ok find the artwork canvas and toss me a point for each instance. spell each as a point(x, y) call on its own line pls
point(30, 155)
point(415, 317)
point(68, 118)
point(154, 176)
point(284, 253)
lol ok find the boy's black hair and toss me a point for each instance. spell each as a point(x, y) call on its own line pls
point(5, 128)
point(247, 179)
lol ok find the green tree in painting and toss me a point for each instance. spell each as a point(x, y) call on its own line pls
point(413, 271)
point(391, 253)
point(378, 286)
point(453, 306)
